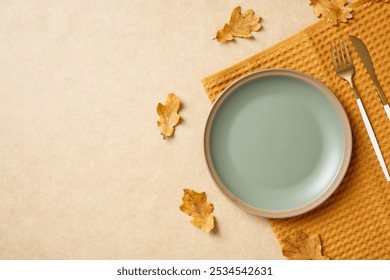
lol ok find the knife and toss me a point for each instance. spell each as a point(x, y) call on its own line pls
point(366, 59)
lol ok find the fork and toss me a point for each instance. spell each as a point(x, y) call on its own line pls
point(345, 69)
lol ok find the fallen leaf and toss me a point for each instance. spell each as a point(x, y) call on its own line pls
point(332, 10)
point(196, 205)
point(386, 1)
point(240, 25)
point(299, 246)
point(169, 116)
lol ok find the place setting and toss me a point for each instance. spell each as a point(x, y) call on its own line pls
point(297, 134)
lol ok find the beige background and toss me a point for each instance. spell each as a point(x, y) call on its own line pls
point(84, 173)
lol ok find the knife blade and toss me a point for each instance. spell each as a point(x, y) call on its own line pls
point(366, 59)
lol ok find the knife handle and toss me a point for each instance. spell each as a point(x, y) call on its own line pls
point(374, 142)
point(382, 96)
point(380, 91)
point(387, 109)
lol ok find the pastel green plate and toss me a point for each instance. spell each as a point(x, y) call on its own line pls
point(277, 143)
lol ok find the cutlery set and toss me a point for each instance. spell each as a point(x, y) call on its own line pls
point(345, 69)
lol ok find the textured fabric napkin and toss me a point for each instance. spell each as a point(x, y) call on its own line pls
point(354, 223)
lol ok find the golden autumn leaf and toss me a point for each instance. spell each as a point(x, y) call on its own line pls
point(169, 116)
point(240, 25)
point(196, 205)
point(332, 10)
point(299, 246)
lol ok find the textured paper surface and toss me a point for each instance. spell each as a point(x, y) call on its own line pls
point(354, 223)
point(83, 169)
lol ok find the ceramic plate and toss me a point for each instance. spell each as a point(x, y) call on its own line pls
point(277, 143)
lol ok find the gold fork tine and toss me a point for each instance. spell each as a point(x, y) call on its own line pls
point(341, 55)
point(332, 48)
point(347, 53)
point(336, 46)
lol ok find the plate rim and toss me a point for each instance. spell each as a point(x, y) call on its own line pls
point(328, 190)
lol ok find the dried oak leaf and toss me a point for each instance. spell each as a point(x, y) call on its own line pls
point(169, 116)
point(332, 10)
point(240, 25)
point(196, 205)
point(299, 246)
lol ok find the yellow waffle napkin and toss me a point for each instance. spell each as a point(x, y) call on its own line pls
point(354, 223)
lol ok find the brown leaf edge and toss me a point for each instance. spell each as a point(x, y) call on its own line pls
point(221, 33)
point(300, 246)
point(207, 224)
point(171, 106)
point(343, 11)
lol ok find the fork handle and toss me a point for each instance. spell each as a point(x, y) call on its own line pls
point(374, 142)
